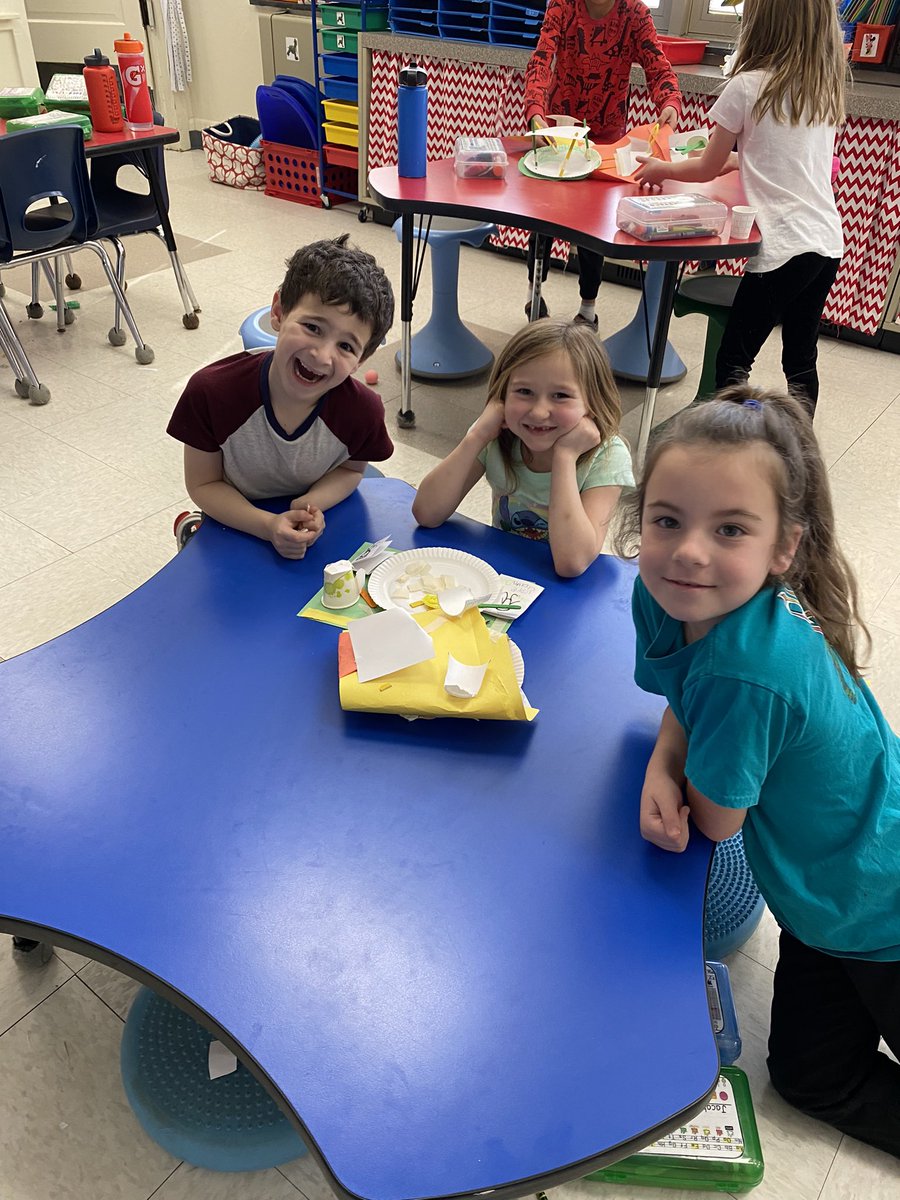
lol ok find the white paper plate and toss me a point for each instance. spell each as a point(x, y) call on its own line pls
point(518, 662)
point(546, 162)
point(473, 573)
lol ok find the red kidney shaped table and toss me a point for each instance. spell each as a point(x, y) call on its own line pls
point(441, 945)
point(582, 211)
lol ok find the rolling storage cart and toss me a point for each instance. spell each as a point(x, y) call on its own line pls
point(336, 26)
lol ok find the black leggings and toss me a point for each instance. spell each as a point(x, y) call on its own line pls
point(590, 267)
point(792, 296)
point(827, 1016)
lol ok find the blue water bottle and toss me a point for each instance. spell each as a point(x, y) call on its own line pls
point(412, 121)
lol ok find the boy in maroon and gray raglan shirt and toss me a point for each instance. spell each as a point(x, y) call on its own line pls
point(292, 422)
point(580, 68)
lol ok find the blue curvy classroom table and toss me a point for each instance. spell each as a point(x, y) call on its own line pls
point(443, 946)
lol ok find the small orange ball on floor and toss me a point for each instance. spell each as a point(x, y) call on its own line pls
point(371, 378)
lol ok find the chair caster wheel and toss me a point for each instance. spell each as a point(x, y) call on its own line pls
point(73, 282)
point(38, 395)
point(34, 311)
point(406, 420)
point(22, 388)
point(68, 317)
point(362, 216)
point(117, 337)
point(190, 320)
point(144, 355)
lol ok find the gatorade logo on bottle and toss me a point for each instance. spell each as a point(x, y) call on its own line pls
point(134, 75)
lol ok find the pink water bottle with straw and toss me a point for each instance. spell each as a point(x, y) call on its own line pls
point(133, 69)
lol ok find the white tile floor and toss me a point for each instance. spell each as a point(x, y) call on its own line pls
point(89, 485)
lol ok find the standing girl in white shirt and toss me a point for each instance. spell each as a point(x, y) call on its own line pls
point(782, 105)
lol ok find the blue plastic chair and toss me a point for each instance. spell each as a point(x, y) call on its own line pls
point(47, 210)
point(122, 212)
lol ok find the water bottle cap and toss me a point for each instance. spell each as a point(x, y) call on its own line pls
point(129, 45)
point(413, 75)
point(97, 59)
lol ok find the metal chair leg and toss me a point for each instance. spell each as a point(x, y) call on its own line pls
point(143, 352)
point(27, 383)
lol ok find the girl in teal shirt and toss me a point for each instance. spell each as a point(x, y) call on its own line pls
point(745, 612)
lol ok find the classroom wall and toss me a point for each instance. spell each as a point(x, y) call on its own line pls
point(225, 59)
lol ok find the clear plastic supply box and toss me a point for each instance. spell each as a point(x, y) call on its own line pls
point(480, 158)
point(656, 218)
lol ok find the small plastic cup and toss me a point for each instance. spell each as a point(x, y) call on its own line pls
point(742, 218)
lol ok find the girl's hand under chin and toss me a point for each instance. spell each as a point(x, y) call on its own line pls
point(491, 420)
point(581, 437)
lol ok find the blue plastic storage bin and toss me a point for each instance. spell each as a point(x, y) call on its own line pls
point(344, 65)
point(340, 89)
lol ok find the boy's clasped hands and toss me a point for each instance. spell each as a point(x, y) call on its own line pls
point(294, 531)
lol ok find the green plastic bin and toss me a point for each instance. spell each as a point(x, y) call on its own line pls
point(717, 1151)
point(340, 16)
point(333, 39)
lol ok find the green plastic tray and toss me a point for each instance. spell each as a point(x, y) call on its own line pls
point(718, 1151)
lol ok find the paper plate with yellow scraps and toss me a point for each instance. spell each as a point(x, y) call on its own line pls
point(410, 575)
point(453, 668)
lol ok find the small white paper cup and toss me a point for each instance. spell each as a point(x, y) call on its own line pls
point(742, 218)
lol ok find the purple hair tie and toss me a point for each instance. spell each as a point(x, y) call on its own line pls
point(750, 402)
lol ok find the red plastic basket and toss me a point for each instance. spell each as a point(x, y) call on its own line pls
point(683, 50)
point(292, 173)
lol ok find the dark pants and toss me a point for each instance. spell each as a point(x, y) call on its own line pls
point(793, 296)
point(590, 268)
point(827, 1016)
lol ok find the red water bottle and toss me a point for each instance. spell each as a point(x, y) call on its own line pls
point(133, 69)
point(103, 94)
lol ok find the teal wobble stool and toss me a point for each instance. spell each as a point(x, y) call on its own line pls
point(734, 906)
point(445, 348)
point(712, 296)
point(225, 1124)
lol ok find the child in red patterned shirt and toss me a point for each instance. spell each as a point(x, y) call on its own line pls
point(581, 68)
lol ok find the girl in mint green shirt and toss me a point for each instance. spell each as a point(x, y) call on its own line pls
point(547, 441)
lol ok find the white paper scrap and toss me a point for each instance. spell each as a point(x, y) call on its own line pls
point(510, 590)
point(462, 681)
point(371, 558)
point(221, 1061)
point(386, 642)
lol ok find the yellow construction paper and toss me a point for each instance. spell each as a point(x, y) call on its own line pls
point(418, 691)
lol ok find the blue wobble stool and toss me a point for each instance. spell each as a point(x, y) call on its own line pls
point(629, 353)
point(256, 331)
point(445, 348)
point(225, 1124)
point(734, 906)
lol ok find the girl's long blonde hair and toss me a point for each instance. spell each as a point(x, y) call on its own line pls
point(819, 573)
point(799, 44)
point(592, 370)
